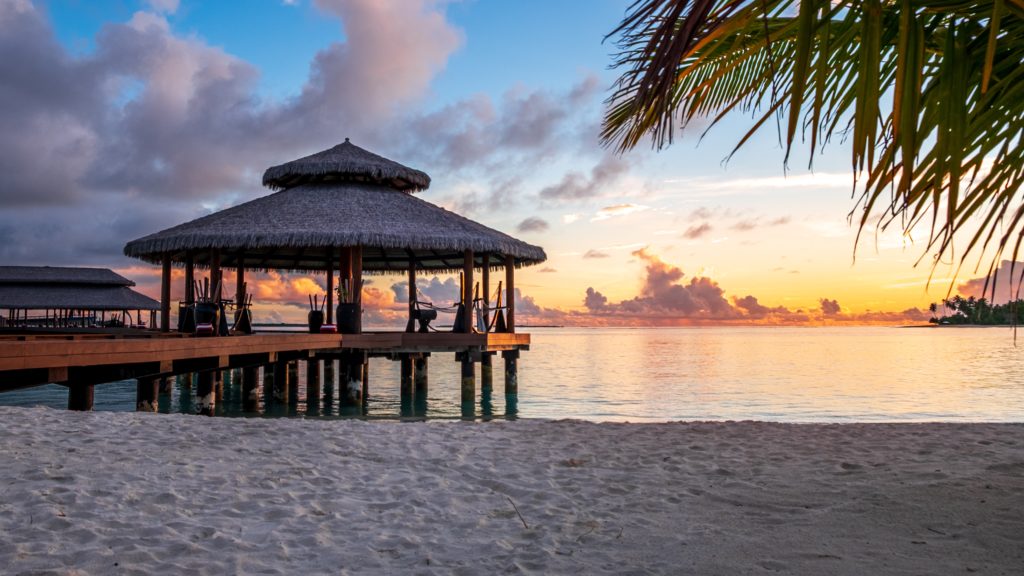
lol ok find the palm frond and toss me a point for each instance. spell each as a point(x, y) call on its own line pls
point(930, 92)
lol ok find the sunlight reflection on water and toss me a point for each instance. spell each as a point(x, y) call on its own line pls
point(785, 374)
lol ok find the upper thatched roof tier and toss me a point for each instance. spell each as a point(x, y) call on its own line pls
point(346, 162)
point(297, 228)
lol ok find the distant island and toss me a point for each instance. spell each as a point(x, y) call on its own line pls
point(976, 311)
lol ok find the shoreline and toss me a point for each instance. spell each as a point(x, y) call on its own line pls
point(101, 493)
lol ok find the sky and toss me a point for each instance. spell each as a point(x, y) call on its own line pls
point(120, 118)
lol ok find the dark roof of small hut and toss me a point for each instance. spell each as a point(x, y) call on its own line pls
point(363, 205)
point(61, 275)
point(27, 287)
point(345, 162)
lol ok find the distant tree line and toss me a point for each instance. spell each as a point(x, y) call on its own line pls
point(971, 310)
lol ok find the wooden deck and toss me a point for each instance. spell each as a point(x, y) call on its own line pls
point(33, 359)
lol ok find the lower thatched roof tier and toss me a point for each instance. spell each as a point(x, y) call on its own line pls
point(297, 228)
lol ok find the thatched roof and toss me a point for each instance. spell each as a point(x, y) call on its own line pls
point(41, 287)
point(61, 275)
point(293, 230)
point(346, 162)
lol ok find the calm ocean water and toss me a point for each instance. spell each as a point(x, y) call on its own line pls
point(783, 374)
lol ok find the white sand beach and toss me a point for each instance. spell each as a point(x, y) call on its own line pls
point(126, 493)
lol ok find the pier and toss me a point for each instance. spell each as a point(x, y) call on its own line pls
point(340, 213)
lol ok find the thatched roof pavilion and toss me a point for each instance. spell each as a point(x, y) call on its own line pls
point(65, 291)
point(340, 209)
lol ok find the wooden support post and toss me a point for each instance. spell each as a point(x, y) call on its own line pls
point(268, 384)
point(468, 378)
point(240, 283)
point(330, 383)
point(165, 294)
point(351, 375)
point(280, 382)
point(312, 386)
point(206, 399)
point(486, 372)
point(215, 276)
point(293, 383)
point(190, 276)
point(408, 385)
point(411, 324)
point(420, 375)
point(330, 286)
point(510, 293)
point(511, 371)
point(357, 285)
point(366, 379)
point(467, 291)
point(485, 283)
point(146, 394)
point(80, 396)
point(250, 389)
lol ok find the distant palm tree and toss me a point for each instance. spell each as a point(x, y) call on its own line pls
point(946, 148)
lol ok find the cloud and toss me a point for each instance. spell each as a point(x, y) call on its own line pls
point(1007, 284)
point(697, 231)
point(578, 186)
point(830, 307)
point(533, 224)
point(754, 223)
point(547, 270)
point(149, 119)
point(165, 6)
point(617, 210)
point(595, 254)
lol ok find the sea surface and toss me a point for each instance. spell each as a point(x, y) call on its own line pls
point(805, 374)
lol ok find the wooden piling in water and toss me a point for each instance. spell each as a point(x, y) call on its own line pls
point(166, 385)
point(280, 394)
point(312, 386)
point(351, 379)
point(293, 383)
point(468, 378)
point(250, 389)
point(511, 371)
point(206, 399)
point(80, 396)
point(407, 372)
point(486, 372)
point(420, 375)
point(329, 384)
point(146, 391)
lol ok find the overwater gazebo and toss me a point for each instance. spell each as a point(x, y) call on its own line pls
point(343, 210)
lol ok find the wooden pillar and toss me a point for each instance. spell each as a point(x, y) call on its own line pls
point(366, 379)
point(468, 378)
point(312, 386)
point(293, 383)
point(215, 276)
point(240, 281)
point(467, 290)
point(80, 396)
point(190, 276)
point(329, 384)
point(510, 292)
point(412, 291)
point(486, 372)
point(351, 379)
point(357, 285)
point(165, 294)
point(408, 385)
point(280, 392)
point(330, 286)
point(511, 371)
point(250, 389)
point(268, 384)
point(485, 283)
point(206, 399)
point(420, 375)
point(146, 394)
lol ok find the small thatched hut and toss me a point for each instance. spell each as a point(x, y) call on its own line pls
point(344, 209)
point(67, 296)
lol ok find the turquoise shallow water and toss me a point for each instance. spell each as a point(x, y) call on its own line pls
point(863, 374)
